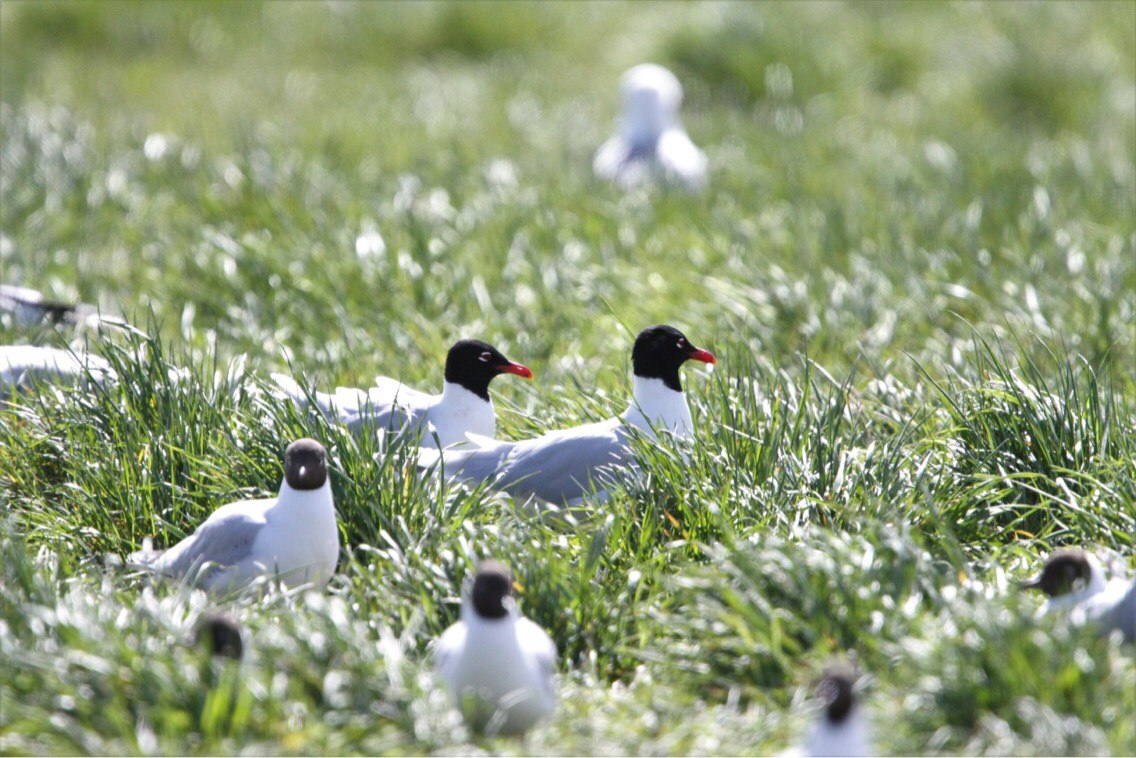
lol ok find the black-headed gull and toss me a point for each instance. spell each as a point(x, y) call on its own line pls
point(840, 728)
point(563, 466)
point(293, 537)
point(220, 635)
point(464, 407)
point(28, 307)
point(1074, 582)
point(497, 664)
point(651, 141)
point(22, 366)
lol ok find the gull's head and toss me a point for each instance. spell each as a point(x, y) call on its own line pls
point(660, 350)
point(492, 584)
point(837, 692)
point(473, 364)
point(1066, 572)
point(305, 465)
point(220, 635)
point(651, 98)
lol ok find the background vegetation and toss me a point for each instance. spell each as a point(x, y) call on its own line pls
point(915, 260)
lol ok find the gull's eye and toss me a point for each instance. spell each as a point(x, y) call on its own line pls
point(485, 357)
point(681, 343)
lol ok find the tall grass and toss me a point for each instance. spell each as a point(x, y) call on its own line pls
point(914, 260)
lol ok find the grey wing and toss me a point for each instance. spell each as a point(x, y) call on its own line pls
point(226, 541)
point(392, 418)
point(475, 466)
point(288, 388)
point(542, 650)
point(562, 467)
point(1122, 615)
point(21, 366)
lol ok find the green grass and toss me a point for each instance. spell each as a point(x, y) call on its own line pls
point(915, 260)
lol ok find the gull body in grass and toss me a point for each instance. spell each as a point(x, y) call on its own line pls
point(292, 537)
point(564, 466)
point(651, 142)
point(24, 366)
point(1074, 583)
point(497, 664)
point(463, 407)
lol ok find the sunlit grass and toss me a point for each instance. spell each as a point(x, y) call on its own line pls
point(914, 260)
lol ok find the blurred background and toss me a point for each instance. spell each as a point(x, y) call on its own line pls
point(329, 181)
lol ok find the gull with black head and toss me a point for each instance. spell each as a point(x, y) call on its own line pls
point(1074, 582)
point(497, 664)
point(839, 727)
point(463, 407)
point(564, 466)
point(292, 537)
point(220, 635)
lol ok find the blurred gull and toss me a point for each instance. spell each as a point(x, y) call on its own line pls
point(24, 307)
point(651, 141)
point(563, 466)
point(293, 537)
point(840, 728)
point(1074, 582)
point(24, 366)
point(220, 635)
point(463, 407)
point(497, 664)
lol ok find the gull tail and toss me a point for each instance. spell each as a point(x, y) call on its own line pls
point(144, 558)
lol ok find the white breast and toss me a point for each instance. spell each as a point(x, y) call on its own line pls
point(457, 412)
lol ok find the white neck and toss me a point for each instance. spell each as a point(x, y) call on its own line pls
point(460, 411)
point(644, 129)
point(850, 737)
point(654, 404)
point(301, 502)
point(452, 392)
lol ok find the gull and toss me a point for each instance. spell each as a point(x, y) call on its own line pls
point(841, 728)
point(23, 366)
point(29, 307)
point(220, 635)
point(497, 664)
point(651, 140)
point(293, 537)
point(1074, 582)
point(564, 466)
point(463, 407)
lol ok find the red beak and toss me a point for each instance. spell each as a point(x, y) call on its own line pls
point(703, 355)
point(515, 368)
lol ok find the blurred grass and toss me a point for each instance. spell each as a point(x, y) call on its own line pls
point(915, 260)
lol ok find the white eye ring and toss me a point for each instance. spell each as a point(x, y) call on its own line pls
point(484, 357)
point(681, 343)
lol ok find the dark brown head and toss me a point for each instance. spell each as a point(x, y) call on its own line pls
point(473, 364)
point(305, 465)
point(492, 583)
point(220, 635)
point(837, 691)
point(1066, 571)
point(659, 351)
